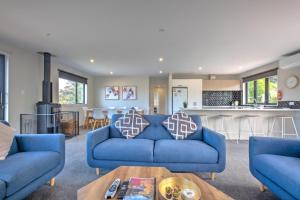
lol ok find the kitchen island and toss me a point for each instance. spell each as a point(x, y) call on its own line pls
point(261, 123)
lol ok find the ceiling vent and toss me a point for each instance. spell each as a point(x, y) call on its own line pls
point(290, 60)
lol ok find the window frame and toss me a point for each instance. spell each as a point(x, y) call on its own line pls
point(76, 79)
point(254, 78)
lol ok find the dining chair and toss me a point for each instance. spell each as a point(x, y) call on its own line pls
point(99, 115)
point(88, 117)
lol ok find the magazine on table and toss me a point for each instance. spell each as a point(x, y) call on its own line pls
point(140, 189)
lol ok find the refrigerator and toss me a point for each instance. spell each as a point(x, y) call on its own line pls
point(179, 96)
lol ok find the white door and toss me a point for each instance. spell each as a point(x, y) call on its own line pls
point(179, 96)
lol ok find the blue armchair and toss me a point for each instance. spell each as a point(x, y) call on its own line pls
point(275, 162)
point(33, 160)
point(203, 151)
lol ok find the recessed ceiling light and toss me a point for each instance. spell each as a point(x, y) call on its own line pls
point(111, 73)
point(200, 68)
point(161, 59)
point(161, 72)
point(92, 60)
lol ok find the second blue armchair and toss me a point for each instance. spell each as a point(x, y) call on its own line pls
point(275, 162)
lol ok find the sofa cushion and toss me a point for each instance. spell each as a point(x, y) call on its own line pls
point(180, 125)
point(131, 124)
point(156, 130)
point(139, 150)
point(6, 140)
point(2, 189)
point(20, 169)
point(282, 170)
point(184, 151)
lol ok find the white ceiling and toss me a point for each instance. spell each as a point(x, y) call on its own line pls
point(122, 36)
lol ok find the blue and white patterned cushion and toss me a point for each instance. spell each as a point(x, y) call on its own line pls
point(180, 125)
point(131, 124)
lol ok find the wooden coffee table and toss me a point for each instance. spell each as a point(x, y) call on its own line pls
point(96, 189)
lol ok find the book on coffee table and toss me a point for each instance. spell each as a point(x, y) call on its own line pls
point(140, 189)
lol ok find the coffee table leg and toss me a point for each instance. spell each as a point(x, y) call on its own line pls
point(97, 171)
point(212, 175)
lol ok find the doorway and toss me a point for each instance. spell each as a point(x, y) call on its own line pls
point(2, 87)
point(159, 100)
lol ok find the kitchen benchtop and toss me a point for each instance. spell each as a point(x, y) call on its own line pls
point(239, 108)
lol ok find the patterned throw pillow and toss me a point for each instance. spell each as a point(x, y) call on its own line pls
point(180, 125)
point(131, 124)
point(6, 139)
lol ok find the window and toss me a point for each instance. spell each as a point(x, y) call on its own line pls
point(261, 88)
point(72, 88)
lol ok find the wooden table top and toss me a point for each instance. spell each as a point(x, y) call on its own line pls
point(96, 189)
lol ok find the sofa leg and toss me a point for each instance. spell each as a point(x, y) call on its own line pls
point(212, 175)
point(52, 182)
point(98, 171)
point(262, 187)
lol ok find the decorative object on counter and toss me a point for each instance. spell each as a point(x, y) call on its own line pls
point(180, 125)
point(112, 93)
point(185, 105)
point(289, 104)
point(220, 98)
point(129, 92)
point(291, 82)
point(178, 188)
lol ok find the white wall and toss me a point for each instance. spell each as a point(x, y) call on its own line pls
point(142, 83)
point(194, 90)
point(289, 94)
point(25, 74)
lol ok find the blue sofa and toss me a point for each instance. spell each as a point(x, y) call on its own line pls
point(203, 151)
point(275, 162)
point(33, 160)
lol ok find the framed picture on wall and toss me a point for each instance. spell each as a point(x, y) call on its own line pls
point(112, 93)
point(129, 93)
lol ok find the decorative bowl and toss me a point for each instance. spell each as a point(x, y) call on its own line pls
point(179, 182)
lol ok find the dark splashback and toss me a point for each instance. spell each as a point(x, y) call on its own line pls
point(220, 98)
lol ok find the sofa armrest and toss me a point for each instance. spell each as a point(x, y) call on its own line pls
point(277, 146)
point(2, 189)
point(217, 141)
point(97, 136)
point(41, 142)
point(92, 139)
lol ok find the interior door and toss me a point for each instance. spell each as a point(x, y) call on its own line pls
point(180, 95)
point(2, 87)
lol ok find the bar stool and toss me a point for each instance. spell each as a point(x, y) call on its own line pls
point(204, 119)
point(224, 128)
point(283, 126)
point(251, 126)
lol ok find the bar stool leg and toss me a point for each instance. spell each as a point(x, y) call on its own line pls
point(295, 127)
point(273, 124)
point(282, 127)
point(239, 136)
point(251, 128)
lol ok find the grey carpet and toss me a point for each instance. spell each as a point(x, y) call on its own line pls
point(236, 180)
